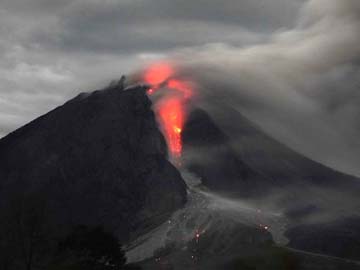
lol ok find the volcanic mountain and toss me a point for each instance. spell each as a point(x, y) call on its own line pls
point(321, 204)
point(99, 159)
point(249, 161)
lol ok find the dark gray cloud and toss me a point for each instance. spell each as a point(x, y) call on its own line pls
point(51, 50)
point(124, 26)
point(302, 86)
point(162, 24)
point(289, 73)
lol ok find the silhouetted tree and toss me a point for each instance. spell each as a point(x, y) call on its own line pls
point(91, 249)
point(23, 232)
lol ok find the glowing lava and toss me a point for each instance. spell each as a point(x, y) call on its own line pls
point(171, 108)
point(172, 116)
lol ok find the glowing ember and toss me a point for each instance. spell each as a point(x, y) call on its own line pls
point(177, 130)
point(171, 109)
point(158, 73)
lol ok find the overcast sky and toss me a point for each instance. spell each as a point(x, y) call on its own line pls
point(52, 50)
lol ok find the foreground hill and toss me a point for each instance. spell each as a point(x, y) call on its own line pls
point(97, 160)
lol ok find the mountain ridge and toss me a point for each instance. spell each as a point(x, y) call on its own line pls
point(98, 160)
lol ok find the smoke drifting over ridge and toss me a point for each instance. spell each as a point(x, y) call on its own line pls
point(305, 78)
point(302, 86)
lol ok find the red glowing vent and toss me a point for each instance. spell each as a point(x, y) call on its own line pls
point(171, 108)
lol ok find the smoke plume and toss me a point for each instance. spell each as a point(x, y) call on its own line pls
point(301, 86)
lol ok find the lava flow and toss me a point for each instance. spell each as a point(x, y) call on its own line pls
point(171, 116)
point(171, 108)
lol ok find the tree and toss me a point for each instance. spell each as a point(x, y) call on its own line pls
point(91, 249)
point(24, 239)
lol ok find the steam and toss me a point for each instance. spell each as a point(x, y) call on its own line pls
point(302, 86)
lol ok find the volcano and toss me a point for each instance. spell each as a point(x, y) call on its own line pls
point(102, 158)
point(255, 164)
point(99, 159)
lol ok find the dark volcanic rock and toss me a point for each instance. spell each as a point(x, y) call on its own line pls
point(97, 160)
point(207, 153)
point(257, 164)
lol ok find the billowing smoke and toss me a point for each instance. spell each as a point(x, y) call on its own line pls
point(301, 86)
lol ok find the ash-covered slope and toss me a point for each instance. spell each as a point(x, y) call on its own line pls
point(208, 153)
point(250, 161)
point(99, 159)
point(322, 205)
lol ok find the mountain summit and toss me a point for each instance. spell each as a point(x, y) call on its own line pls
point(99, 159)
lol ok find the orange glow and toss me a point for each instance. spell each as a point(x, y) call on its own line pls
point(177, 130)
point(172, 115)
point(171, 108)
point(183, 87)
point(158, 73)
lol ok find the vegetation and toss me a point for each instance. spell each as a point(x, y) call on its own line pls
point(89, 249)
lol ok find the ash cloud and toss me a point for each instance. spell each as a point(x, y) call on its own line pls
point(302, 86)
point(52, 50)
point(295, 75)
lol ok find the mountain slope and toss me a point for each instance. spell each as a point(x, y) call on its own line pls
point(208, 153)
point(321, 204)
point(97, 160)
point(250, 159)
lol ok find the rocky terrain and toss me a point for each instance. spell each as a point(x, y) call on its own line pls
point(321, 205)
point(100, 159)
